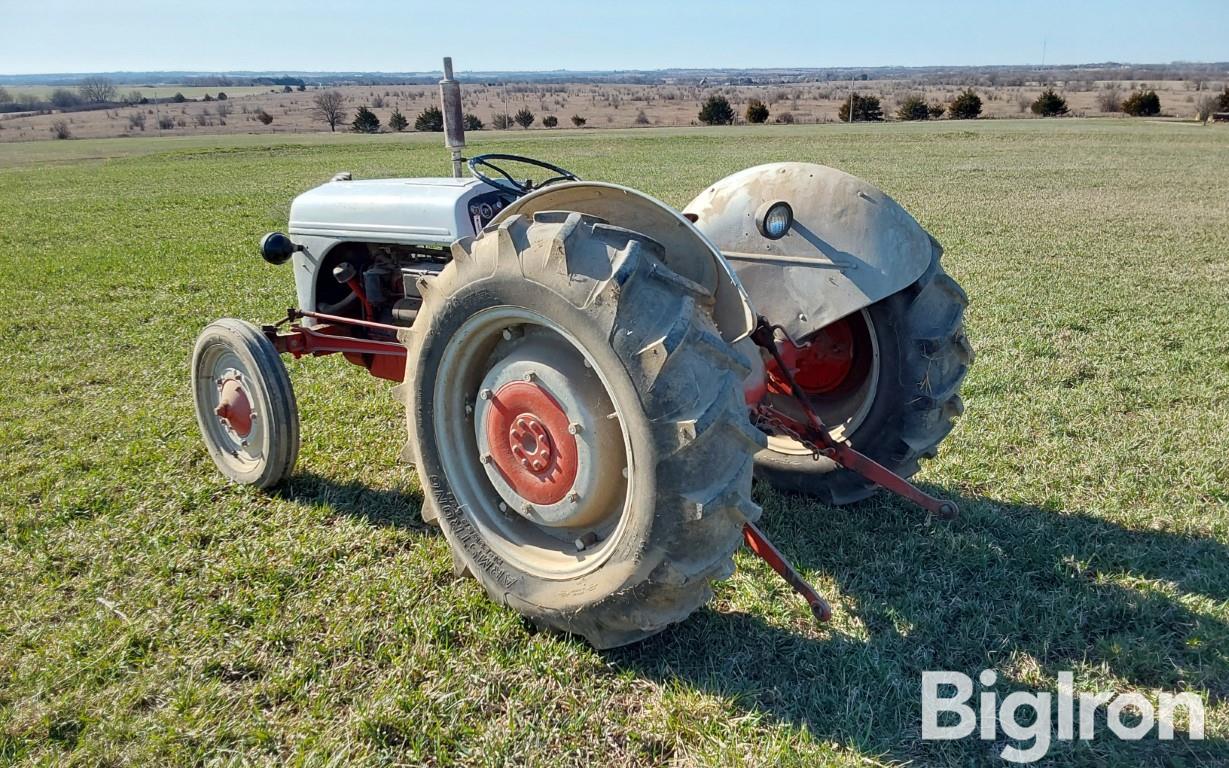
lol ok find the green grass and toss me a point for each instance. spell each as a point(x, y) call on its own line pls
point(151, 614)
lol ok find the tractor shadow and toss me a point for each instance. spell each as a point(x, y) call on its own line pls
point(376, 506)
point(1020, 588)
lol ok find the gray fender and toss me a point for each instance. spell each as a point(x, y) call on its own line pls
point(687, 251)
point(850, 244)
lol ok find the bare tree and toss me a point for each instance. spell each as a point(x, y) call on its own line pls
point(330, 106)
point(97, 89)
point(1205, 106)
point(1109, 100)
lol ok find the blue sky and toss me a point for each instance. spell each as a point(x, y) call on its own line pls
point(409, 35)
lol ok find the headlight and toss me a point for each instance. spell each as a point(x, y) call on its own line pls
point(276, 248)
point(774, 219)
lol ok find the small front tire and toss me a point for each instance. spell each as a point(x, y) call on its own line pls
point(245, 406)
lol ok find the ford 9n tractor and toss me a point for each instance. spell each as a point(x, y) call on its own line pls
point(591, 377)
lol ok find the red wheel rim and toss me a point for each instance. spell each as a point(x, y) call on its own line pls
point(527, 433)
point(234, 408)
point(825, 361)
point(821, 365)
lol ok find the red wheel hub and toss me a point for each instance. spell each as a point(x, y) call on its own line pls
point(531, 444)
point(234, 408)
point(527, 432)
point(819, 366)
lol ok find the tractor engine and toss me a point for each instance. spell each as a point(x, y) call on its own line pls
point(361, 247)
point(379, 282)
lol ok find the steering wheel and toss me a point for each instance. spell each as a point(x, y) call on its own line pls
point(511, 185)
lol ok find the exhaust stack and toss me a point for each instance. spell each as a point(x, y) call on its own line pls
point(454, 125)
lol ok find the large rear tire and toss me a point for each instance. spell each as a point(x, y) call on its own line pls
point(558, 320)
point(921, 356)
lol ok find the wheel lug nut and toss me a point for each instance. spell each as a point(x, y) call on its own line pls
point(531, 376)
point(573, 497)
point(487, 458)
point(574, 429)
point(527, 509)
point(584, 542)
point(486, 394)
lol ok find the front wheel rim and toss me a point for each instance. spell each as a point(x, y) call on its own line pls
point(232, 410)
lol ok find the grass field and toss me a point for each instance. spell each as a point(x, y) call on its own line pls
point(153, 615)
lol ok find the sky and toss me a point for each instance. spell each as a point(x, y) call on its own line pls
point(409, 35)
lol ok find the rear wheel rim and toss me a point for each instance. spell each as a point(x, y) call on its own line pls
point(495, 360)
point(843, 409)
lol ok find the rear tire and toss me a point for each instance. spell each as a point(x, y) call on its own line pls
point(647, 336)
point(923, 357)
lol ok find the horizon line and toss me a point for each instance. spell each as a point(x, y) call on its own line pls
point(481, 72)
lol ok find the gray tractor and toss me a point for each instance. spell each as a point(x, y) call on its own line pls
point(591, 378)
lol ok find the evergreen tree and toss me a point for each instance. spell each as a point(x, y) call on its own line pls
point(365, 121)
point(913, 108)
point(866, 109)
point(1049, 104)
point(966, 105)
point(430, 119)
point(716, 110)
point(1142, 104)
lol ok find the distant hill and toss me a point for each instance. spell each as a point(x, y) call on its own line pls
point(988, 75)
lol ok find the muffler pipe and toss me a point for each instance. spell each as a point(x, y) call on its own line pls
point(454, 121)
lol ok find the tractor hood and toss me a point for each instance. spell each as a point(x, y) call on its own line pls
point(428, 211)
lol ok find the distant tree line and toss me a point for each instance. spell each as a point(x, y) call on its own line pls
point(330, 108)
point(966, 105)
point(90, 94)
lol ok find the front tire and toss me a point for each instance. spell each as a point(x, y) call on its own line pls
point(244, 403)
point(559, 319)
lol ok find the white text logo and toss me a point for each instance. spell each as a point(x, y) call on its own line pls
point(1075, 717)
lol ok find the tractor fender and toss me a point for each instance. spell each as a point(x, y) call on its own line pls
point(849, 245)
point(687, 250)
